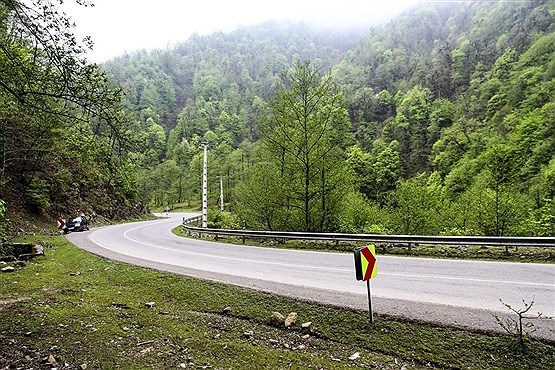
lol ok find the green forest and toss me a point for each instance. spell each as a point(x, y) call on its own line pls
point(441, 122)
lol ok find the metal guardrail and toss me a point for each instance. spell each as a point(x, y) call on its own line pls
point(375, 238)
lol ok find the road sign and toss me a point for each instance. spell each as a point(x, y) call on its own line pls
point(365, 269)
point(365, 262)
point(61, 223)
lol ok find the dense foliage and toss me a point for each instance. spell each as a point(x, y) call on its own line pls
point(299, 174)
point(63, 134)
point(442, 122)
point(213, 88)
point(450, 109)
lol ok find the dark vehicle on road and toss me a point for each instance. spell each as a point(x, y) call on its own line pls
point(79, 223)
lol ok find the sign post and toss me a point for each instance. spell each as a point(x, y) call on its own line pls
point(365, 269)
point(205, 187)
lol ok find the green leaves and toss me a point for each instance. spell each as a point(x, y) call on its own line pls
point(303, 143)
point(64, 138)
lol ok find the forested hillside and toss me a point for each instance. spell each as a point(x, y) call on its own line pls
point(450, 112)
point(213, 88)
point(63, 139)
point(440, 122)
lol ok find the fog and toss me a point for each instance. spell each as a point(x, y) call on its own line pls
point(119, 26)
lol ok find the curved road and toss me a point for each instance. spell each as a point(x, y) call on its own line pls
point(450, 292)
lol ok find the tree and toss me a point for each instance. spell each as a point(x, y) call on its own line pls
point(303, 143)
point(441, 116)
point(42, 61)
point(359, 162)
point(501, 203)
point(385, 105)
point(58, 112)
point(386, 171)
point(258, 197)
point(359, 215)
point(413, 115)
point(154, 141)
point(412, 208)
point(493, 210)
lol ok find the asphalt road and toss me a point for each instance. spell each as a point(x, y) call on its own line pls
point(457, 293)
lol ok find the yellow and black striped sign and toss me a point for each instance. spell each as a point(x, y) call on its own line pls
point(365, 262)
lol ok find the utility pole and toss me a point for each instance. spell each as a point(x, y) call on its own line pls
point(205, 187)
point(221, 193)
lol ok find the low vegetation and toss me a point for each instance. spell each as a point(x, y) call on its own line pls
point(80, 311)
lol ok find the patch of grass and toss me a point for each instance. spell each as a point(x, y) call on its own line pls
point(82, 309)
point(513, 254)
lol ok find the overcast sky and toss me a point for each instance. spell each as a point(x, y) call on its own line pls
point(119, 26)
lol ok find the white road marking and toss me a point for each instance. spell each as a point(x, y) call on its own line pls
point(313, 267)
point(229, 258)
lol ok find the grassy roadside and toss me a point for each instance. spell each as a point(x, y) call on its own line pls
point(92, 313)
point(521, 254)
